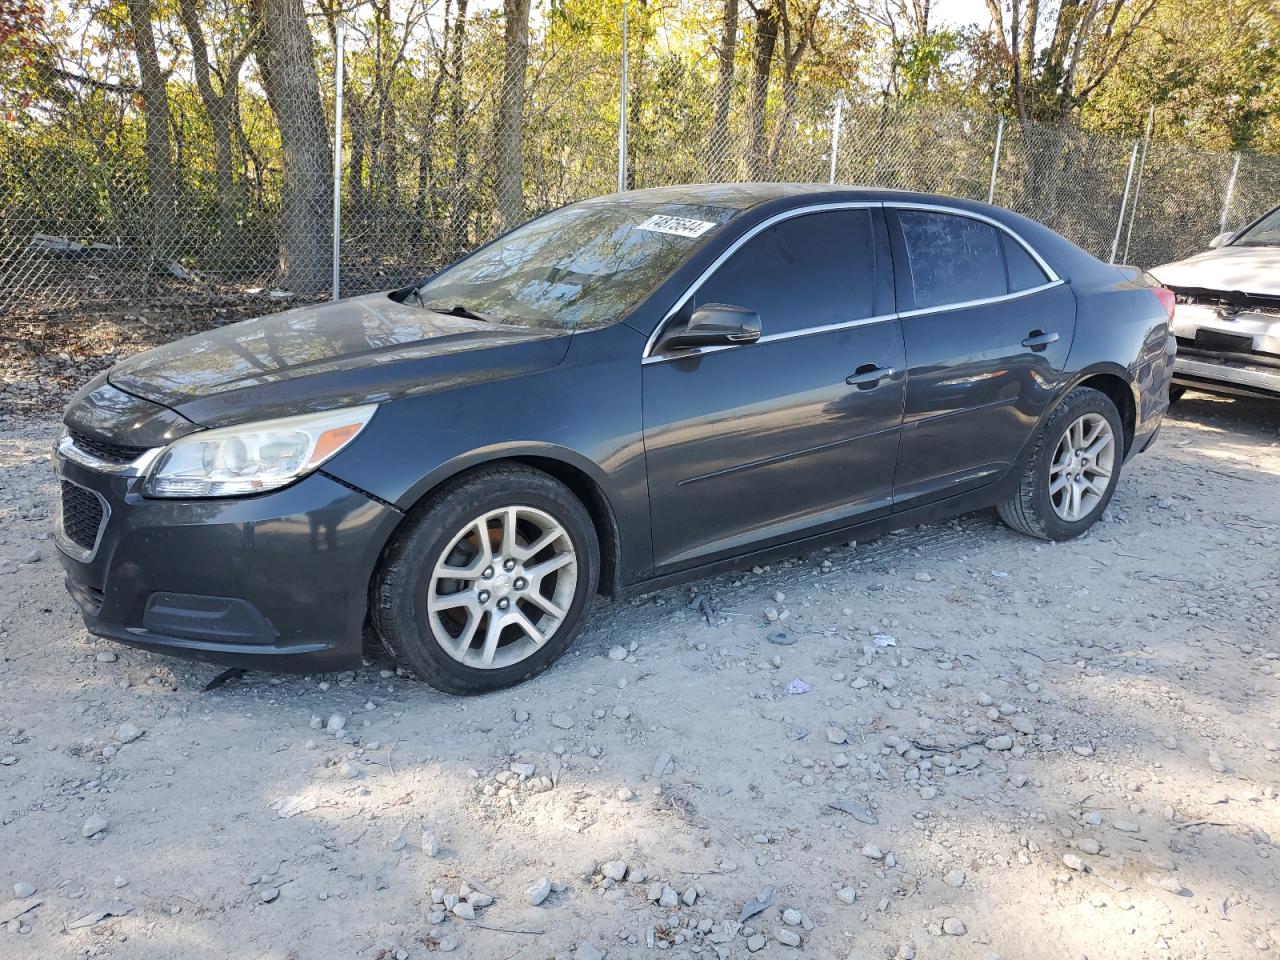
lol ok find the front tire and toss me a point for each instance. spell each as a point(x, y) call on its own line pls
point(489, 583)
point(1073, 469)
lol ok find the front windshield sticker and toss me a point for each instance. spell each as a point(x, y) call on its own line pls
point(679, 226)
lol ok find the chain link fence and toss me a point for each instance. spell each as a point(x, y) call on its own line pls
point(185, 153)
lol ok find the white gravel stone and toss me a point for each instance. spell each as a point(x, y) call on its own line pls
point(430, 845)
point(954, 927)
point(23, 889)
point(94, 825)
point(538, 891)
point(614, 870)
point(788, 938)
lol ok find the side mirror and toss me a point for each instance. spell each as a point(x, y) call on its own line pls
point(1221, 240)
point(714, 325)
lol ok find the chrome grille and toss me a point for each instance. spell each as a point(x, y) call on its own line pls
point(109, 452)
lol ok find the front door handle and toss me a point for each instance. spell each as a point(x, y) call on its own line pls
point(868, 376)
point(1038, 339)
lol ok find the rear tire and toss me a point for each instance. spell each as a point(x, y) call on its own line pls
point(1072, 471)
point(488, 583)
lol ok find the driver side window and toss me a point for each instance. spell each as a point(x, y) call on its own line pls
point(807, 271)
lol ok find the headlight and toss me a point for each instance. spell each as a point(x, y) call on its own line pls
point(253, 457)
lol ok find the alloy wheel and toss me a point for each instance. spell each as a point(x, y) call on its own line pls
point(502, 587)
point(1082, 466)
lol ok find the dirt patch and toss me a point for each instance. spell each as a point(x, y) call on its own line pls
point(954, 742)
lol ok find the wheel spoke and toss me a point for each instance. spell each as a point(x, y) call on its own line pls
point(1095, 430)
point(452, 601)
point(525, 624)
point(491, 636)
point(463, 641)
point(1057, 483)
point(548, 606)
point(538, 571)
point(531, 550)
point(1096, 448)
point(483, 557)
point(508, 545)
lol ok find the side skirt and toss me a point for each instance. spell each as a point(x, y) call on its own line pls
point(928, 513)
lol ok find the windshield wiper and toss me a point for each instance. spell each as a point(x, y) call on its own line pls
point(458, 310)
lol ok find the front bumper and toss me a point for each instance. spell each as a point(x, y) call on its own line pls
point(272, 582)
point(1224, 375)
point(1227, 352)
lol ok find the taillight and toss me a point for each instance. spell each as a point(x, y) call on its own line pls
point(1166, 298)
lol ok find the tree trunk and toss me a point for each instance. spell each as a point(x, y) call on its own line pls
point(719, 148)
point(762, 47)
point(162, 224)
point(222, 108)
point(286, 64)
point(459, 234)
point(509, 162)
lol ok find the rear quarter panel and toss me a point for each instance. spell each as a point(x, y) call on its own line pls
point(1121, 328)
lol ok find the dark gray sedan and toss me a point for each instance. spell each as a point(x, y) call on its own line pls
point(621, 394)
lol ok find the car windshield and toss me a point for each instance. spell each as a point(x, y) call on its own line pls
point(1264, 233)
point(581, 266)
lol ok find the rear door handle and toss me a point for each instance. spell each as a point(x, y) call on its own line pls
point(868, 376)
point(1038, 339)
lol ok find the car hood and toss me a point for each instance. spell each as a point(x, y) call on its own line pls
point(1240, 269)
point(366, 349)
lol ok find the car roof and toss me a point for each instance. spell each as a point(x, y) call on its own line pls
point(741, 196)
point(1067, 259)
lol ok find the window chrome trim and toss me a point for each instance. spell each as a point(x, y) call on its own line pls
point(66, 449)
point(983, 301)
point(957, 212)
point(772, 338)
point(647, 356)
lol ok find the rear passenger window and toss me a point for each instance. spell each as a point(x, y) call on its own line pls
point(1024, 273)
point(951, 259)
point(807, 271)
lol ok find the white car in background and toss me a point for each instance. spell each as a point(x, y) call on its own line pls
point(1227, 314)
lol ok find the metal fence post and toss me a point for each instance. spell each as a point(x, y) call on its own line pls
point(835, 134)
point(995, 160)
point(339, 63)
point(1137, 187)
point(1124, 201)
point(1231, 189)
point(622, 109)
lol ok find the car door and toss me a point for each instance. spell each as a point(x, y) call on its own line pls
point(751, 444)
point(987, 330)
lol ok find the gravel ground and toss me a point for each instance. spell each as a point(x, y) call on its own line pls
point(954, 742)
